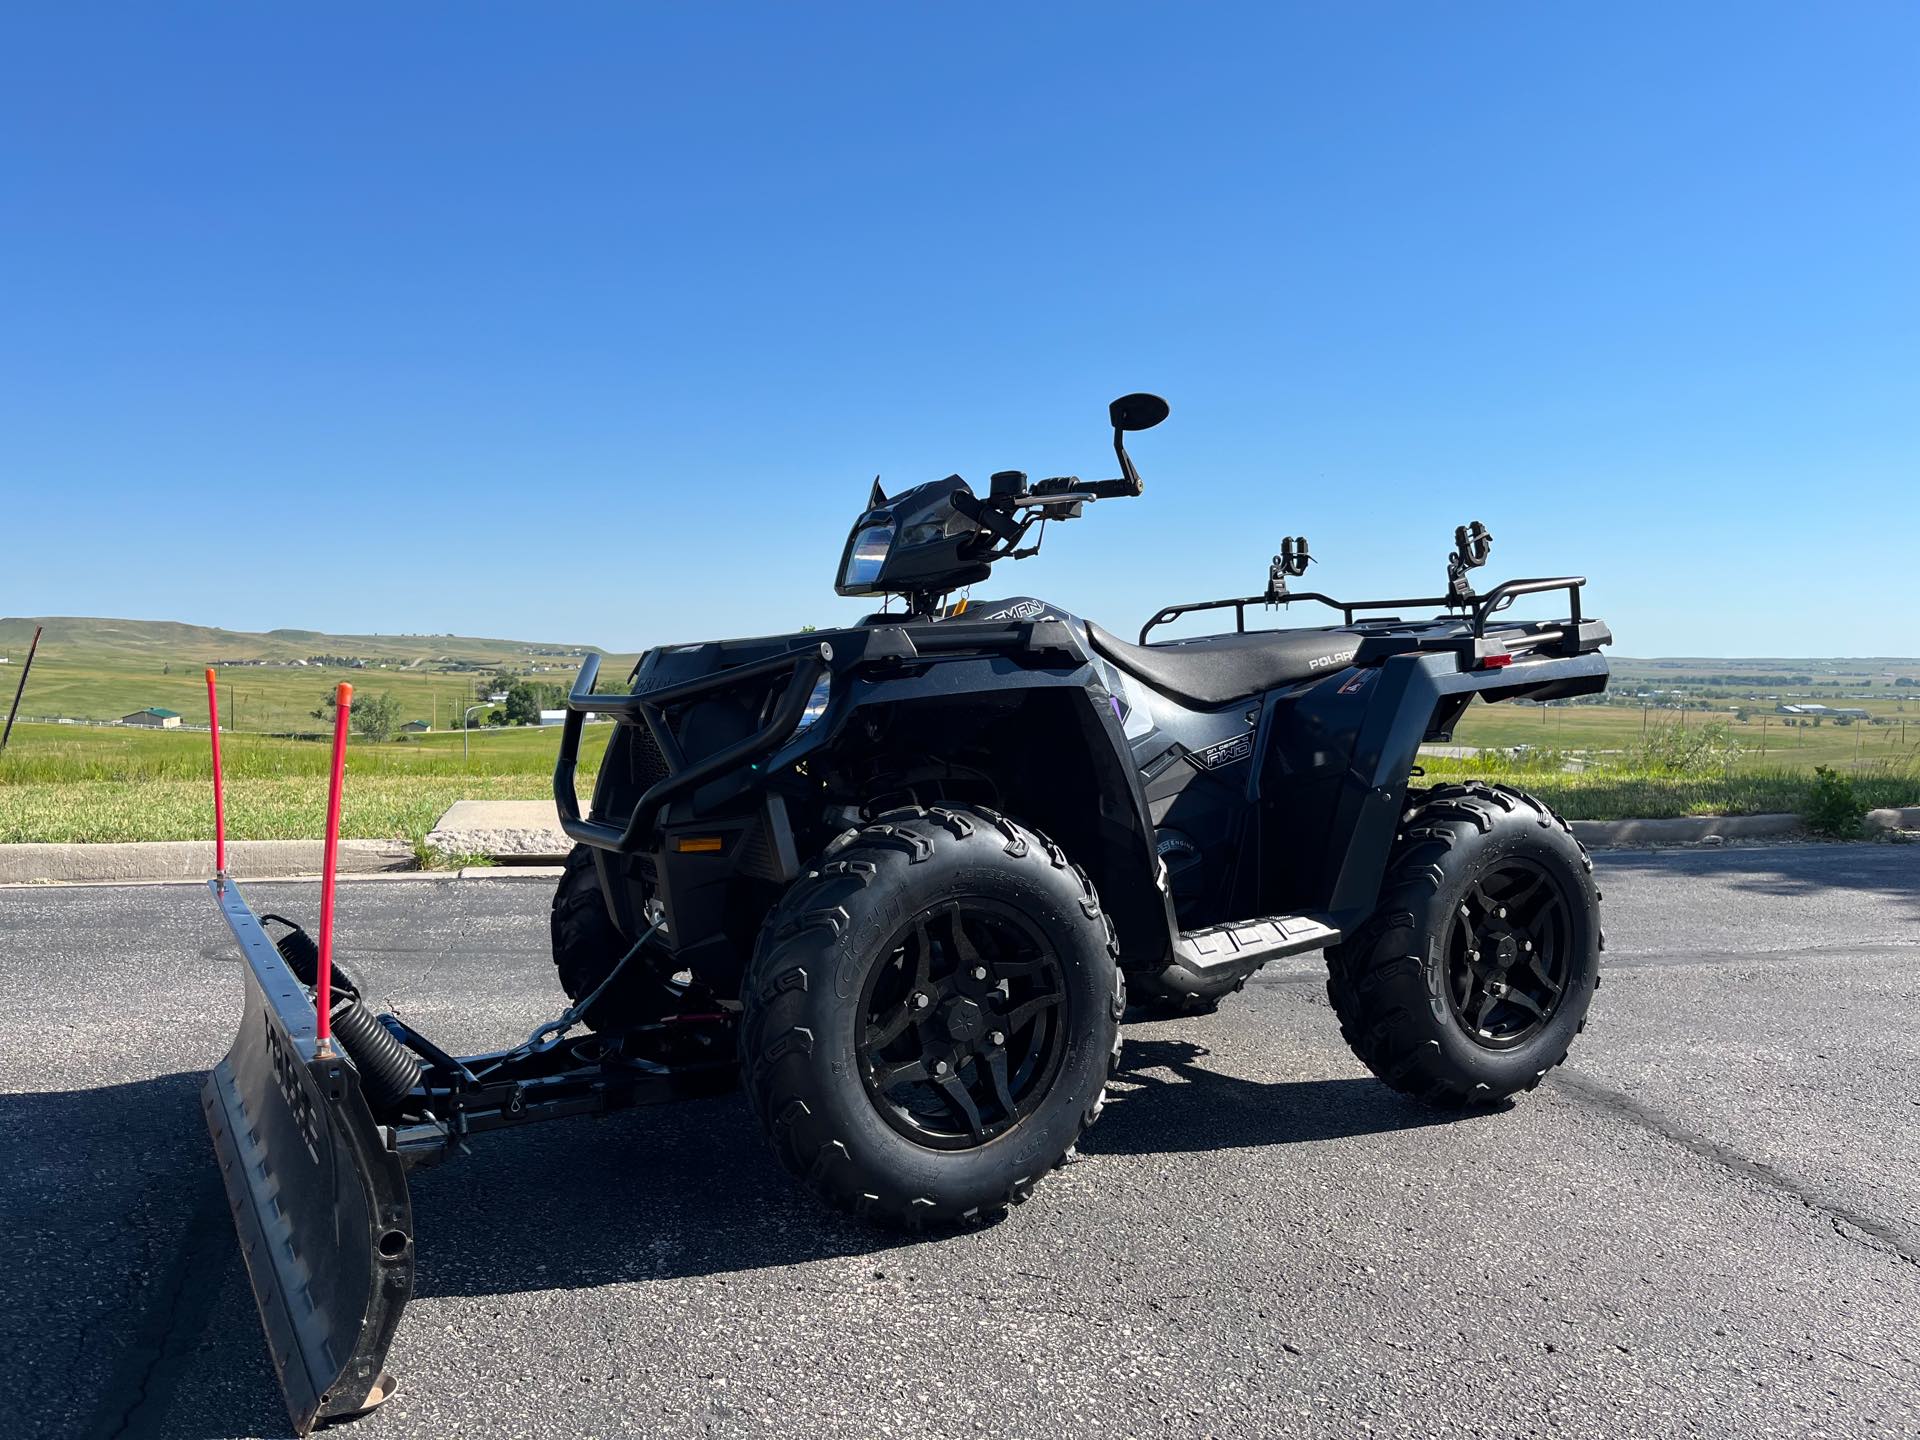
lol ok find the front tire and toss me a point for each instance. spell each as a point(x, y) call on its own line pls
point(1476, 970)
point(931, 1017)
point(587, 945)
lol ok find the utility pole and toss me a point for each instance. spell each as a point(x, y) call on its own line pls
point(21, 688)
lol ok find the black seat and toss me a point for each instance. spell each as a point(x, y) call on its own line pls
point(1219, 669)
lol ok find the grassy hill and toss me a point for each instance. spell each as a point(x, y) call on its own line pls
point(100, 669)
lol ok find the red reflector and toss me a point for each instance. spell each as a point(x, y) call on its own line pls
point(1494, 662)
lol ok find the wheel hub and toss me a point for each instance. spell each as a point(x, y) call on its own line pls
point(964, 1019)
point(964, 1026)
point(1509, 955)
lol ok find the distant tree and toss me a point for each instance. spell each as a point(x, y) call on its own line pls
point(373, 717)
point(527, 698)
point(376, 717)
point(523, 704)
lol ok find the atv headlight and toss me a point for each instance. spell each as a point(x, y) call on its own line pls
point(866, 555)
point(816, 703)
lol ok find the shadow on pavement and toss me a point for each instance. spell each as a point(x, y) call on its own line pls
point(117, 1213)
point(120, 1248)
point(1196, 1109)
point(1786, 870)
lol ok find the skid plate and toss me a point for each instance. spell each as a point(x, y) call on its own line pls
point(318, 1196)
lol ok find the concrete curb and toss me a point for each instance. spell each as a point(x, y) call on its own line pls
point(521, 831)
point(191, 860)
point(523, 834)
point(1893, 819)
point(518, 830)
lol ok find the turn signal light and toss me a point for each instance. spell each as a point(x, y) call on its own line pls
point(697, 844)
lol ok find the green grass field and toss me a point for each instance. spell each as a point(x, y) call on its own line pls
point(1765, 743)
point(86, 784)
point(90, 783)
point(82, 783)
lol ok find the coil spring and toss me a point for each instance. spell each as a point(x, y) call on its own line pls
point(302, 954)
point(388, 1070)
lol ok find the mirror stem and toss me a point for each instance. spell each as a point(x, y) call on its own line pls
point(1127, 472)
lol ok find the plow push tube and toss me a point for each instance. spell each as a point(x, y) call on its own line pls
point(318, 1196)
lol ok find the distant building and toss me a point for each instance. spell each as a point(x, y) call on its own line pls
point(154, 718)
point(1825, 712)
point(415, 727)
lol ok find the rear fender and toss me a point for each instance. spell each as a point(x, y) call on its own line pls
point(318, 1196)
point(1416, 697)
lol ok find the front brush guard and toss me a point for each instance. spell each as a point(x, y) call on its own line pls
point(318, 1195)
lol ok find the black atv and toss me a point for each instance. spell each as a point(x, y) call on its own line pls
point(903, 877)
point(925, 858)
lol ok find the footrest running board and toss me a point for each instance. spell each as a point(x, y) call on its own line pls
point(1249, 944)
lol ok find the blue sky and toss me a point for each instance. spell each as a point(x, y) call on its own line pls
point(593, 322)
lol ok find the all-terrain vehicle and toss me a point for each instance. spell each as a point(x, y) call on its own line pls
point(902, 878)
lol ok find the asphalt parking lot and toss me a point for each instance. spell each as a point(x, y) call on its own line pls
point(1707, 1223)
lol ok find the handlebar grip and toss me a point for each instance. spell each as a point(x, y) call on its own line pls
point(1105, 489)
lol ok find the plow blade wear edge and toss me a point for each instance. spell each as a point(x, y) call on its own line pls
point(318, 1196)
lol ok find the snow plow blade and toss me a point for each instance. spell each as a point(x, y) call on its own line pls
point(318, 1196)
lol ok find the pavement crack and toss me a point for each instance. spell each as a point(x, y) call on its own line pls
point(141, 1386)
point(1863, 1230)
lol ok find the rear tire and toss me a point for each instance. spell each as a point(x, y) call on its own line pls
point(868, 979)
point(1476, 970)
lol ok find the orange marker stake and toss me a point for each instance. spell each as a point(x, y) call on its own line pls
point(323, 988)
point(219, 799)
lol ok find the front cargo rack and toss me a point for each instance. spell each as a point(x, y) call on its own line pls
point(1045, 641)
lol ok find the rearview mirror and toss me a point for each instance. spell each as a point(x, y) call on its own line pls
point(1137, 412)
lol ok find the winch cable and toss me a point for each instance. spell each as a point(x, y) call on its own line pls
point(550, 1033)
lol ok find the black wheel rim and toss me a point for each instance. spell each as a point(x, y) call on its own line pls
point(963, 1025)
point(1509, 954)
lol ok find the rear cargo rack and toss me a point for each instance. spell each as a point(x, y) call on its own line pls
point(1483, 607)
